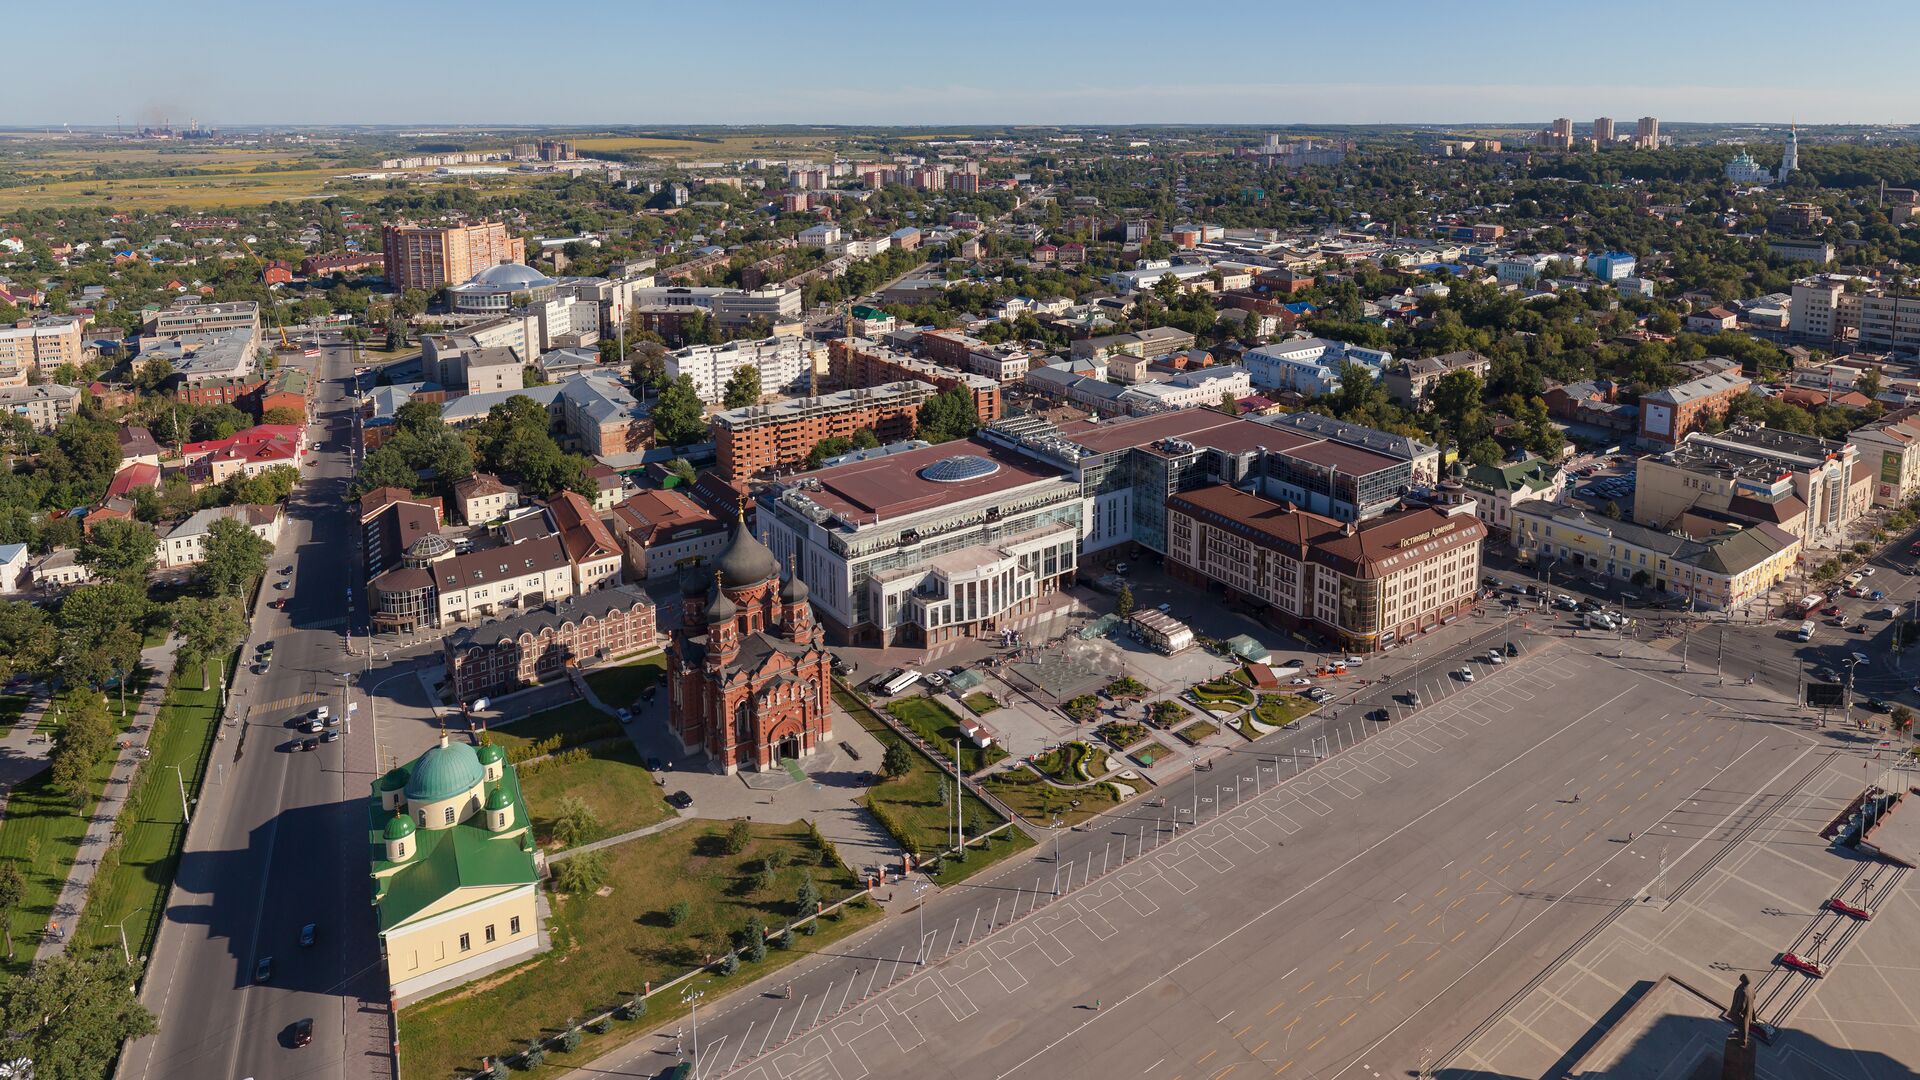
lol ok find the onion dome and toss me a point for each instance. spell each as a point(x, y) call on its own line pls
point(444, 772)
point(399, 827)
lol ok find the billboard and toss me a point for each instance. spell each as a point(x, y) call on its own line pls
point(1826, 695)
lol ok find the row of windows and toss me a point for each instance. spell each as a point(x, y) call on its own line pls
point(466, 940)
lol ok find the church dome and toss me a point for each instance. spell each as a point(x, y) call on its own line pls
point(720, 609)
point(694, 581)
point(746, 560)
point(444, 772)
point(498, 799)
point(794, 591)
point(399, 827)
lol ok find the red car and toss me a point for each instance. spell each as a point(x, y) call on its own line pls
point(1834, 610)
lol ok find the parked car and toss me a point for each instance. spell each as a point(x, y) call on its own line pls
point(306, 934)
point(301, 1034)
point(309, 744)
point(625, 714)
point(283, 584)
point(1494, 657)
point(680, 800)
point(313, 727)
point(330, 735)
point(263, 970)
point(321, 712)
point(1466, 674)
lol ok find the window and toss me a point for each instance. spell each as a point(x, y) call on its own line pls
point(489, 933)
point(449, 815)
point(466, 942)
point(513, 925)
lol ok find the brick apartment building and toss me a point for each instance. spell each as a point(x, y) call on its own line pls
point(859, 362)
point(766, 438)
point(511, 654)
point(418, 257)
point(1668, 416)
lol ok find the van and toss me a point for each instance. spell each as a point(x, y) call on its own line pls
point(1805, 633)
point(899, 680)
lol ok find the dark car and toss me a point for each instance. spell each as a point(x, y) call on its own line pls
point(263, 970)
point(680, 800)
point(283, 584)
point(654, 764)
point(330, 735)
point(301, 1033)
point(307, 934)
point(259, 669)
point(1877, 704)
point(309, 744)
point(285, 570)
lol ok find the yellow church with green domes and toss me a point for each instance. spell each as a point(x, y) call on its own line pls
point(455, 874)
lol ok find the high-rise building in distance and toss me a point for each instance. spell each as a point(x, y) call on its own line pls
point(419, 257)
point(1647, 136)
point(1603, 130)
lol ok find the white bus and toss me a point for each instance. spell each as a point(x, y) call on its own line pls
point(1805, 632)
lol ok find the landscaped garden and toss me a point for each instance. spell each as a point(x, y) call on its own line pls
point(675, 899)
point(1225, 692)
point(940, 728)
point(1081, 709)
point(1040, 802)
point(590, 793)
point(910, 807)
point(1145, 756)
point(1196, 731)
point(1126, 686)
point(1167, 714)
point(1279, 710)
point(1075, 763)
point(1120, 734)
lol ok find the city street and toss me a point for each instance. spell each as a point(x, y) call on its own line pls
point(278, 839)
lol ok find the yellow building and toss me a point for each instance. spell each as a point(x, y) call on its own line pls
point(454, 877)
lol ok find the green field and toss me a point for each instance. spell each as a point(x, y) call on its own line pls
point(613, 784)
point(618, 686)
point(575, 722)
point(131, 887)
point(1040, 802)
point(606, 947)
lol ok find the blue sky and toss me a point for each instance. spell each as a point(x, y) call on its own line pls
point(642, 62)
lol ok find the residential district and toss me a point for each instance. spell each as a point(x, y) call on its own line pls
point(1030, 602)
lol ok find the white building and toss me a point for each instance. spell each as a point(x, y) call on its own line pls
point(1520, 269)
point(186, 543)
point(822, 235)
point(1203, 386)
point(1309, 365)
point(783, 361)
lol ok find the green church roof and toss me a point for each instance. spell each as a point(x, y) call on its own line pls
point(465, 856)
point(499, 799)
point(398, 827)
point(491, 752)
point(443, 772)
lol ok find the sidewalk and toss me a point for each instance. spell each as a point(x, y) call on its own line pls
point(24, 752)
point(73, 895)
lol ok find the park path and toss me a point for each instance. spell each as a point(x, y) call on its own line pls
point(24, 751)
point(130, 748)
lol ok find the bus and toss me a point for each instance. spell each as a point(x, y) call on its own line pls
point(1805, 633)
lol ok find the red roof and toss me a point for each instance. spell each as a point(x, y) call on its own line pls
point(135, 476)
point(258, 435)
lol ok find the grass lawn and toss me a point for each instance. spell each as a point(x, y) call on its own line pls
point(981, 702)
point(575, 722)
point(940, 727)
point(1121, 734)
point(1148, 754)
point(1194, 732)
point(612, 782)
point(621, 685)
point(41, 835)
point(1039, 802)
point(909, 807)
point(1074, 763)
point(606, 947)
point(134, 878)
point(1279, 710)
point(12, 708)
point(1223, 691)
point(1168, 713)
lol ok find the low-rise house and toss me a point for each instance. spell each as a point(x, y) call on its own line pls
point(185, 544)
point(13, 568)
point(1411, 382)
point(590, 545)
point(249, 452)
point(664, 531)
point(482, 497)
point(1497, 489)
point(59, 570)
point(609, 487)
point(138, 444)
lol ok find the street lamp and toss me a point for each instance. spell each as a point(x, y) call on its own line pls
point(921, 908)
point(186, 817)
point(122, 927)
point(692, 999)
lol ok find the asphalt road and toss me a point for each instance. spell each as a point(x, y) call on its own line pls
point(1343, 923)
point(278, 839)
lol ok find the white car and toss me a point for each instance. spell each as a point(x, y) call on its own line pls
point(1494, 657)
point(1355, 661)
point(1298, 681)
point(1866, 571)
point(1466, 674)
point(321, 713)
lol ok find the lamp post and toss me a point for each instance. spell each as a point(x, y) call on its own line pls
point(122, 927)
point(692, 999)
point(920, 907)
point(186, 816)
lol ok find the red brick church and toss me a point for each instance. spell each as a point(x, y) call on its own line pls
point(748, 678)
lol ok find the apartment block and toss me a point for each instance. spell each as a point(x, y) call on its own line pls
point(425, 257)
point(856, 362)
point(770, 438)
point(40, 345)
point(783, 361)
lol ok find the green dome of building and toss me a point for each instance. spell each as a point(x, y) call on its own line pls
point(399, 827)
point(395, 779)
point(499, 799)
point(444, 772)
point(492, 753)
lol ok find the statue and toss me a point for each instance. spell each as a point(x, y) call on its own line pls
point(1741, 1012)
point(1738, 1055)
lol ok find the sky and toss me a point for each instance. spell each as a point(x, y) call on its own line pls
point(918, 62)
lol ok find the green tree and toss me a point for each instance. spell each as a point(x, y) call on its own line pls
point(1868, 384)
point(898, 760)
point(829, 447)
point(948, 415)
point(94, 621)
point(70, 1014)
point(118, 550)
point(384, 467)
point(582, 873)
point(743, 388)
point(85, 734)
point(28, 639)
point(739, 834)
point(679, 912)
point(283, 414)
point(235, 558)
point(13, 886)
point(574, 821)
point(1123, 601)
point(807, 899)
point(683, 469)
point(865, 439)
point(208, 626)
point(679, 418)
point(1229, 404)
